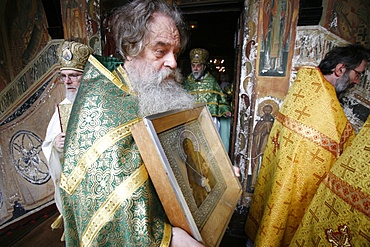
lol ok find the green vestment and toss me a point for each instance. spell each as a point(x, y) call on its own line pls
point(206, 90)
point(108, 198)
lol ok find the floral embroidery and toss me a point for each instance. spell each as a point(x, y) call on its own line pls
point(367, 205)
point(350, 194)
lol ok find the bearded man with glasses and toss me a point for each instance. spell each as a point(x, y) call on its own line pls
point(73, 57)
point(309, 133)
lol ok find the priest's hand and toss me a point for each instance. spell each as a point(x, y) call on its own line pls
point(236, 171)
point(182, 238)
point(59, 142)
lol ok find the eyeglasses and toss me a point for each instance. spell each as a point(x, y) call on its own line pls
point(72, 77)
point(359, 75)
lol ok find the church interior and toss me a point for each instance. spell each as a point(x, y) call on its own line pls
point(232, 31)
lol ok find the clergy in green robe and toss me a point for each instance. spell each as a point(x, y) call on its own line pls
point(206, 89)
point(108, 198)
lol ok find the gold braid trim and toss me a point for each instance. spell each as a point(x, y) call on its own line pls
point(310, 134)
point(124, 75)
point(350, 194)
point(111, 77)
point(70, 183)
point(347, 132)
point(213, 103)
point(113, 202)
point(207, 91)
point(167, 234)
point(58, 222)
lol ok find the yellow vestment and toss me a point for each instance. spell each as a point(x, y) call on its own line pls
point(339, 213)
point(309, 134)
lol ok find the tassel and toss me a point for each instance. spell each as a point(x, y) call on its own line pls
point(57, 223)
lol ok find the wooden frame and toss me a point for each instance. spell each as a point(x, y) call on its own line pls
point(182, 150)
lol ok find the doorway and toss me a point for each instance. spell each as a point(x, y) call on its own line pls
point(216, 33)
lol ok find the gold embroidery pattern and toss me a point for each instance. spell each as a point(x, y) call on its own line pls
point(113, 202)
point(70, 183)
point(124, 75)
point(206, 91)
point(348, 193)
point(64, 111)
point(167, 233)
point(310, 134)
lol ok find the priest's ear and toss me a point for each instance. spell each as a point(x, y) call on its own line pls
point(339, 70)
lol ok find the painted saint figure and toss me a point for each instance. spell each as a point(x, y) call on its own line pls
point(200, 176)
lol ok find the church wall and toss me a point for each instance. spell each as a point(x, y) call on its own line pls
point(82, 22)
point(23, 34)
point(26, 106)
point(29, 92)
point(25, 179)
point(268, 48)
point(348, 19)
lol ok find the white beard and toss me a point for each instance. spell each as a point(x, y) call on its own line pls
point(197, 74)
point(71, 96)
point(158, 91)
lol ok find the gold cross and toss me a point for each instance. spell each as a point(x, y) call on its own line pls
point(294, 159)
point(304, 197)
point(364, 235)
point(316, 156)
point(316, 241)
point(346, 167)
point(269, 208)
point(300, 244)
point(318, 85)
point(301, 113)
point(313, 214)
point(332, 105)
point(275, 141)
point(279, 228)
point(319, 177)
point(287, 139)
point(331, 207)
point(298, 95)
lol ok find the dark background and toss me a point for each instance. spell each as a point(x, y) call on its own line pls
point(216, 21)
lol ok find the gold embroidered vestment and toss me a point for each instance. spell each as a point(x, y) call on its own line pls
point(308, 135)
point(339, 213)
